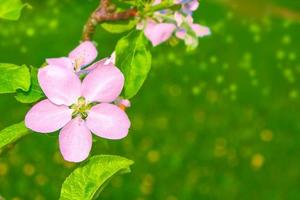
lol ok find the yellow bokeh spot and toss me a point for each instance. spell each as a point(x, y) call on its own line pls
point(257, 161)
point(153, 156)
point(233, 87)
point(220, 147)
point(257, 38)
point(286, 39)
point(293, 94)
point(171, 197)
point(196, 90)
point(266, 135)
point(213, 59)
point(219, 79)
point(212, 96)
point(292, 56)
point(53, 24)
point(147, 184)
point(28, 169)
point(30, 32)
point(3, 169)
point(41, 179)
point(280, 54)
point(39, 197)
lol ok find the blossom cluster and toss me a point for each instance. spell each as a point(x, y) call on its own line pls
point(163, 24)
point(81, 99)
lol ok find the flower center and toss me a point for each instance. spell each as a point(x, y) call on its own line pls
point(81, 108)
point(77, 64)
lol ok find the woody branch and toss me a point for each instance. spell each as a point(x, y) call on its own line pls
point(103, 13)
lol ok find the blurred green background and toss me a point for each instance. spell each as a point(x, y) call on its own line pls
point(221, 122)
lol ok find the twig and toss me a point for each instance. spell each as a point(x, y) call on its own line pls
point(103, 13)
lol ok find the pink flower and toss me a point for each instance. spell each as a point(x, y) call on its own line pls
point(104, 61)
point(186, 22)
point(161, 26)
point(79, 108)
point(158, 33)
point(182, 26)
point(188, 6)
point(82, 55)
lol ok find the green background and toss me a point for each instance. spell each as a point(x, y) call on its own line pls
point(221, 122)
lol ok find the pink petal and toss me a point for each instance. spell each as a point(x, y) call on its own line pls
point(108, 121)
point(111, 59)
point(193, 5)
point(60, 85)
point(156, 2)
point(63, 62)
point(95, 65)
point(122, 102)
point(190, 20)
point(201, 31)
point(158, 33)
point(46, 117)
point(181, 33)
point(105, 61)
point(75, 141)
point(84, 54)
point(179, 18)
point(103, 84)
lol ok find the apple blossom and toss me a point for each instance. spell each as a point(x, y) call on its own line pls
point(79, 108)
point(81, 56)
point(189, 31)
point(104, 61)
point(188, 6)
point(162, 25)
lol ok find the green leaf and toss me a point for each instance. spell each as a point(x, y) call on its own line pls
point(13, 77)
point(34, 93)
point(11, 9)
point(134, 60)
point(118, 27)
point(12, 133)
point(87, 181)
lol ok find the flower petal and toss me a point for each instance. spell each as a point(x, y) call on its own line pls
point(63, 61)
point(103, 84)
point(179, 18)
point(75, 141)
point(122, 102)
point(60, 85)
point(193, 5)
point(159, 32)
point(189, 7)
point(108, 121)
point(105, 61)
point(46, 117)
point(181, 33)
point(84, 53)
point(156, 2)
point(201, 31)
point(111, 59)
point(95, 65)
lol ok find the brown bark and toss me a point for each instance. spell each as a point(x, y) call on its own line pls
point(104, 13)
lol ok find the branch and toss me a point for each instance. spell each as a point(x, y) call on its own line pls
point(103, 13)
